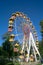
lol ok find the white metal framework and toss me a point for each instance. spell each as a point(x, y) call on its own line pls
point(28, 35)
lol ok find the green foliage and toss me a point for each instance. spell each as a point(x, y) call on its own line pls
point(4, 61)
point(41, 48)
point(16, 63)
point(41, 42)
point(6, 36)
point(7, 49)
point(41, 25)
point(1, 51)
point(9, 63)
point(39, 64)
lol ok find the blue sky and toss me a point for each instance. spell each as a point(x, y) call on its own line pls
point(32, 8)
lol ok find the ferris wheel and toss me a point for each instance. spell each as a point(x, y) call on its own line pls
point(21, 27)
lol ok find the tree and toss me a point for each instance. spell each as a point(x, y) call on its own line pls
point(41, 25)
point(6, 36)
point(7, 46)
point(7, 49)
point(41, 42)
point(41, 48)
point(1, 51)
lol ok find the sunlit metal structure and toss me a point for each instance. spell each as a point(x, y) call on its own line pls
point(26, 34)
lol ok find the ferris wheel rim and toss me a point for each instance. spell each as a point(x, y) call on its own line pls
point(19, 14)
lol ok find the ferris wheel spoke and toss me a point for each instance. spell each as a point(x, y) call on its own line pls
point(18, 34)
